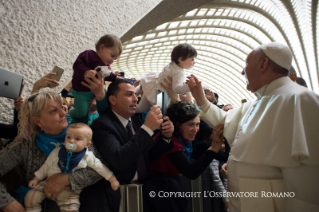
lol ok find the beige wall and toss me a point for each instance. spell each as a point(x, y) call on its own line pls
point(36, 35)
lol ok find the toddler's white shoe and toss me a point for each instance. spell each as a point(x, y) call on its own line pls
point(104, 70)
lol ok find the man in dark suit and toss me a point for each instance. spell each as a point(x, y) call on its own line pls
point(120, 146)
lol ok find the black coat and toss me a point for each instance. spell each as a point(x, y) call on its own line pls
point(119, 152)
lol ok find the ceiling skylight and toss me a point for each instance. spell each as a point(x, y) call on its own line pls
point(224, 32)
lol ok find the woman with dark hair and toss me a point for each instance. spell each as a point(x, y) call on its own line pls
point(165, 171)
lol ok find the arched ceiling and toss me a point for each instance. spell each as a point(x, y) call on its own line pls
point(224, 32)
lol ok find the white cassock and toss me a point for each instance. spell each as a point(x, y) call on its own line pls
point(274, 148)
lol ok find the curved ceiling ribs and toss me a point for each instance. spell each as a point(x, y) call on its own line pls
point(224, 32)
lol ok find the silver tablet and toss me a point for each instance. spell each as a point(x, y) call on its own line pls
point(10, 84)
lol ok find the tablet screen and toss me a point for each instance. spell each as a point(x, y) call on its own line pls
point(10, 84)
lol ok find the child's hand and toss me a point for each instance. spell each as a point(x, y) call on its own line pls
point(136, 83)
point(115, 185)
point(32, 183)
point(89, 74)
point(119, 78)
point(191, 82)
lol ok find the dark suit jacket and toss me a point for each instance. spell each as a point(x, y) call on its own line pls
point(118, 151)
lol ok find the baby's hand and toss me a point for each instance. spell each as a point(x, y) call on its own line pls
point(32, 183)
point(89, 74)
point(115, 185)
point(191, 83)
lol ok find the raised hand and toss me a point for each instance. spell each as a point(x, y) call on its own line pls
point(44, 82)
point(96, 85)
point(210, 95)
point(18, 102)
point(154, 118)
point(191, 82)
point(196, 89)
point(217, 137)
point(136, 83)
point(167, 127)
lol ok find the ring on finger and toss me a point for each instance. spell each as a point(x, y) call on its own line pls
point(215, 133)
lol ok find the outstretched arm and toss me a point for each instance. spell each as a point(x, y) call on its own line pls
point(196, 89)
point(44, 82)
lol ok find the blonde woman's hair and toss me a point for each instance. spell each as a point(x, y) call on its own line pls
point(27, 129)
point(64, 101)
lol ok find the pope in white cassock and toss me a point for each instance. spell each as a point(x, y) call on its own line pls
point(274, 139)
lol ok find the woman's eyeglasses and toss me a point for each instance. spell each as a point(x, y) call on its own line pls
point(31, 98)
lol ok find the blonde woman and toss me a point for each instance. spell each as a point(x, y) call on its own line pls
point(42, 127)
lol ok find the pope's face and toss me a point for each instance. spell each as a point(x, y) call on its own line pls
point(251, 71)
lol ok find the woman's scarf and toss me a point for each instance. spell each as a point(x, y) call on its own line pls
point(188, 148)
point(49, 142)
point(69, 160)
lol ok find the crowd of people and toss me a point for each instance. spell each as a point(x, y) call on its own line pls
point(79, 154)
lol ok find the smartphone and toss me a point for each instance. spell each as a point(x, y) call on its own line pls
point(122, 74)
point(161, 99)
point(59, 71)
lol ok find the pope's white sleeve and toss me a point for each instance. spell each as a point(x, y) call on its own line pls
point(213, 115)
point(98, 166)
